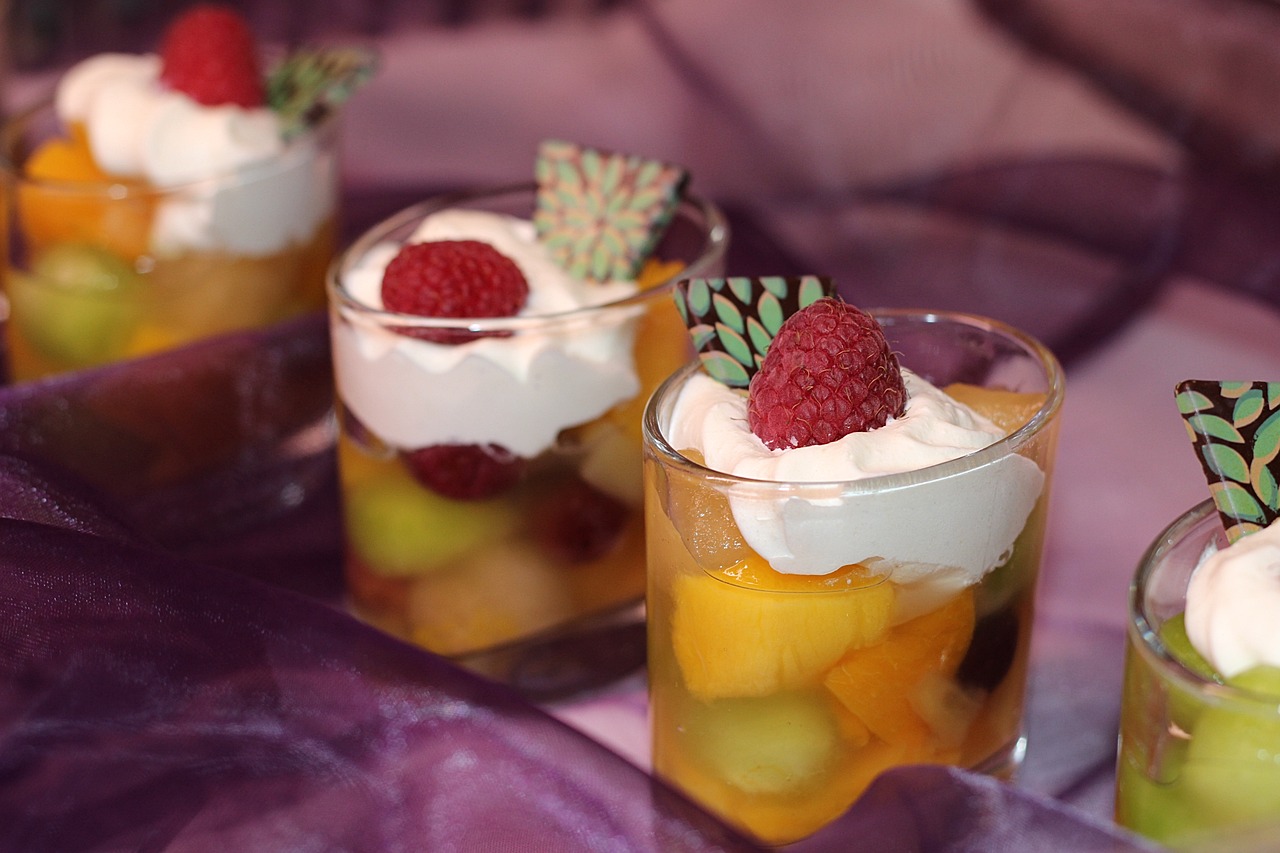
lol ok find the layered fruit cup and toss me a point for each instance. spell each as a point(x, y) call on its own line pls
point(100, 269)
point(547, 532)
point(776, 697)
point(1199, 759)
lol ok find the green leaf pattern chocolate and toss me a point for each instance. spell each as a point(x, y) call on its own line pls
point(600, 214)
point(1235, 428)
point(733, 320)
point(313, 82)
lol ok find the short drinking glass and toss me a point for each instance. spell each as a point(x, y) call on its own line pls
point(776, 698)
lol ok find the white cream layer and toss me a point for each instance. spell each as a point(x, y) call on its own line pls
point(958, 527)
point(519, 391)
point(242, 188)
point(1233, 604)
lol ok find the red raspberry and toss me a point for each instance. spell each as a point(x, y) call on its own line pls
point(209, 54)
point(465, 472)
point(578, 523)
point(452, 278)
point(827, 373)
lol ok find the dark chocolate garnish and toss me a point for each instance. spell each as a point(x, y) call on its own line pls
point(1235, 429)
point(599, 213)
point(733, 320)
point(311, 83)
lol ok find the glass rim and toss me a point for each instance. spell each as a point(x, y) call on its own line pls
point(714, 246)
point(123, 188)
point(656, 442)
point(1144, 636)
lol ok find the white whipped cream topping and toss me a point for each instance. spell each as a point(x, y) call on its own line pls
point(243, 188)
point(1233, 602)
point(958, 527)
point(518, 391)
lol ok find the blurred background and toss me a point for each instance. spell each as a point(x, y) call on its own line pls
point(1048, 163)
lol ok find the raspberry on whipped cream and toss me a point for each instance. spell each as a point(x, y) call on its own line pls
point(966, 522)
point(518, 391)
point(245, 189)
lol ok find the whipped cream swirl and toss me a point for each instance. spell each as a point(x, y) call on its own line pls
point(238, 186)
point(1233, 604)
point(518, 391)
point(960, 526)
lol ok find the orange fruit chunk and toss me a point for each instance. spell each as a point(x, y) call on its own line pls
point(751, 631)
point(69, 199)
point(1006, 409)
point(887, 684)
point(655, 272)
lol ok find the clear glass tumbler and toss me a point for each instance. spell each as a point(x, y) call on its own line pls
point(97, 270)
point(1199, 761)
point(776, 698)
point(560, 396)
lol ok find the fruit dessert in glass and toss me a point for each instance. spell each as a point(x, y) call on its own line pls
point(162, 198)
point(845, 515)
point(492, 353)
point(1199, 747)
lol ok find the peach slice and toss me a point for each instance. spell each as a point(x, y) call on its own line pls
point(886, 685)
point(68, 201)
point(750, 631)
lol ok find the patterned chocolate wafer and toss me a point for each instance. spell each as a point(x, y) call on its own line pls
point(600, 214)
point(311, 83)
point(733, 320)
point(1235, 428)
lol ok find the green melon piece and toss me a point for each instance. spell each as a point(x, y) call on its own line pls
point(767, 745)
point(79, 304)
point(399, 529)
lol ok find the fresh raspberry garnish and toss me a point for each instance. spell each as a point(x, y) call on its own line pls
point(465, 472)
point(452, 278)
point(210, 55)
point(827, 373)
point(578, 523)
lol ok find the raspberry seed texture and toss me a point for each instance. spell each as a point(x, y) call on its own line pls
point(452, 278)
point(829, 372)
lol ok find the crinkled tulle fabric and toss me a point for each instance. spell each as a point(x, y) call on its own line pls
point(172, 679)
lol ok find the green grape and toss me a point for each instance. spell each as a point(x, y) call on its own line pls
point(1263, 680)
point(1173, 633)
point(401, 529)
point(1150, 808)
point(1232, 773)
point(771, 744)
point(78, 306)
